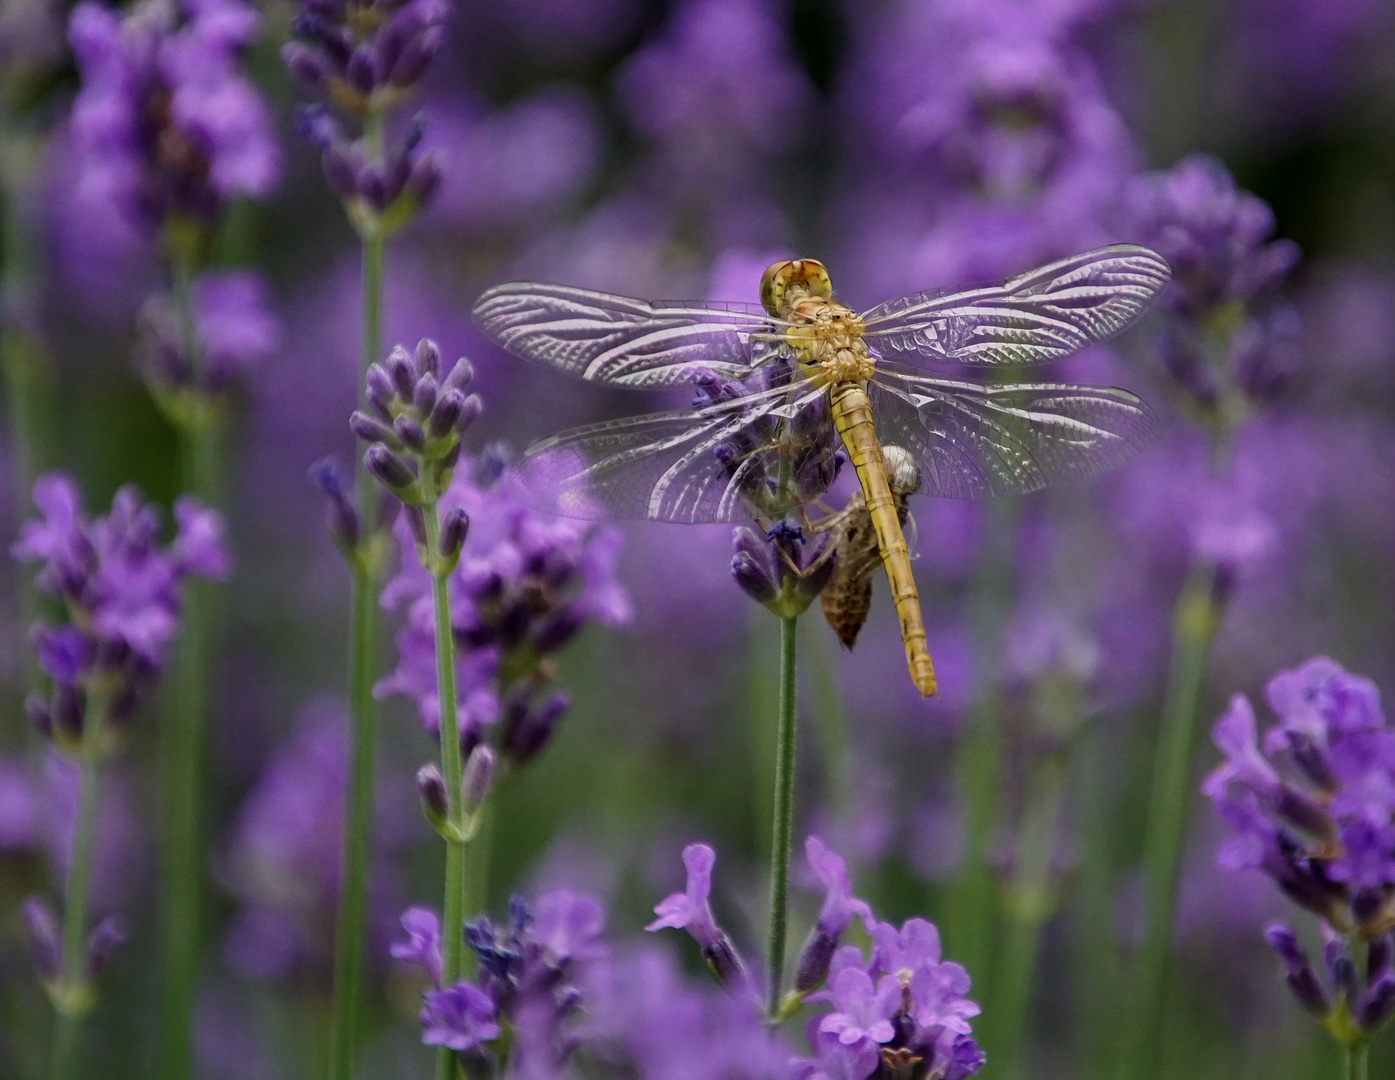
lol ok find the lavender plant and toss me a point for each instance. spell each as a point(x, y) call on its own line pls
point(364, 59)
point(1229, 347)
point(122, 596)
point(1310, 806)
point(167, 131)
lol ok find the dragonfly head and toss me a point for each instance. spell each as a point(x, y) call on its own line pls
point(790, 280)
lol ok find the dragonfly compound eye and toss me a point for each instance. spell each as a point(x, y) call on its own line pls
point(802, 277)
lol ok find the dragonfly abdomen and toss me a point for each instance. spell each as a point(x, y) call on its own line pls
point(852, 415)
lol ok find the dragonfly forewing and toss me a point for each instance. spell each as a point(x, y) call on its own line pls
point(618, 340)
point(1034, 318)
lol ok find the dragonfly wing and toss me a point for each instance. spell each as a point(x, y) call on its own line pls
point(690, 466)
point(618, 340)
point(1042, 315)
point(980, 441)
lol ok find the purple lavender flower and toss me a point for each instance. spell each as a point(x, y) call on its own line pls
point(423, 944)
point(904, 1009)
point(839, 908)
point(524, 585)
point(236, 330)
point(365, 56)
point(777, 571)
point(1229, 335)
point(1312, 805)
point(122, 592)
point(689, 910)
point(460, 1017)
point(166, 126)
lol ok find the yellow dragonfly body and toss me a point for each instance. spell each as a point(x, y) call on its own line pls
point(783, 391)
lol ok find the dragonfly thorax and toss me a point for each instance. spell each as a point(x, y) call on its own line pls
point(827, 335)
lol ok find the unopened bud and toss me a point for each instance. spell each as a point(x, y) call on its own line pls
point(1377, 1004)
point(106, 937)
point(725, 964)
point(361, 70)
point(446, 415)
point(556, 632)
point(814, 960)
point(460, 376)
point(469, 412)
point(479, 776)
point(36, 709)
point(528, 730)
point(390, 470)
point(1302, 979)
point(428, 360)
point(44, 948)
point(341, 515)
point(409, 431)
point(399, 367)
point(380, 390)
point(431, 789)
point(372, 430)
point(424, 399)
point(454, 529)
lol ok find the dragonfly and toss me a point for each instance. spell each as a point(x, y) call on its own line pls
point(787, 390)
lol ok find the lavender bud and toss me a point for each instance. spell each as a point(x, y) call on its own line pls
point(342, 515)
point(416, 521)
point(44, 947)
point(416, 57)
point(479, 776)
point(372, 187)
point(531, 729)
point(304, 63)
point(469, 412)
point(1302, 980)
point(372, 430)
point(315, 125)
point(817, 954)
point(380, 390)
point(424, 399)
point(66, 711)
point(106, 937)
point(424, 177)
point(1378, 958)
point(431, 789)
point(460, 376)
point(446, 415)
point(454, 528)
point(427, 360)
point(36, 709)
point(556, 632)
point(1304, 812)
point(725, 964)
point(1341, 969)
point(1377, 1003)
point(362, 69)
point(399, 367)
point(390, 470)
point(1367, 905)
point(409, 431)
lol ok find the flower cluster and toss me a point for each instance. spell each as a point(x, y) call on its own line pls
point(777, 571)
point(529, 989)
point(166, 128)
point(524, 584)
point(123, 598)
point(1313, 807)
point(365, 58)
point(364, 55)
point(1230, 341)
point(900, 1011)
point(235, 331)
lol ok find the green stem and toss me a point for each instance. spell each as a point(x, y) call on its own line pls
point(347, 1006)
point(184, 730)
point(1356, 1062)
point(453, 903)
point(1094, 953)
point(783, 825)
point(73, 994)
point(1028, 905)
point(1194, 626)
